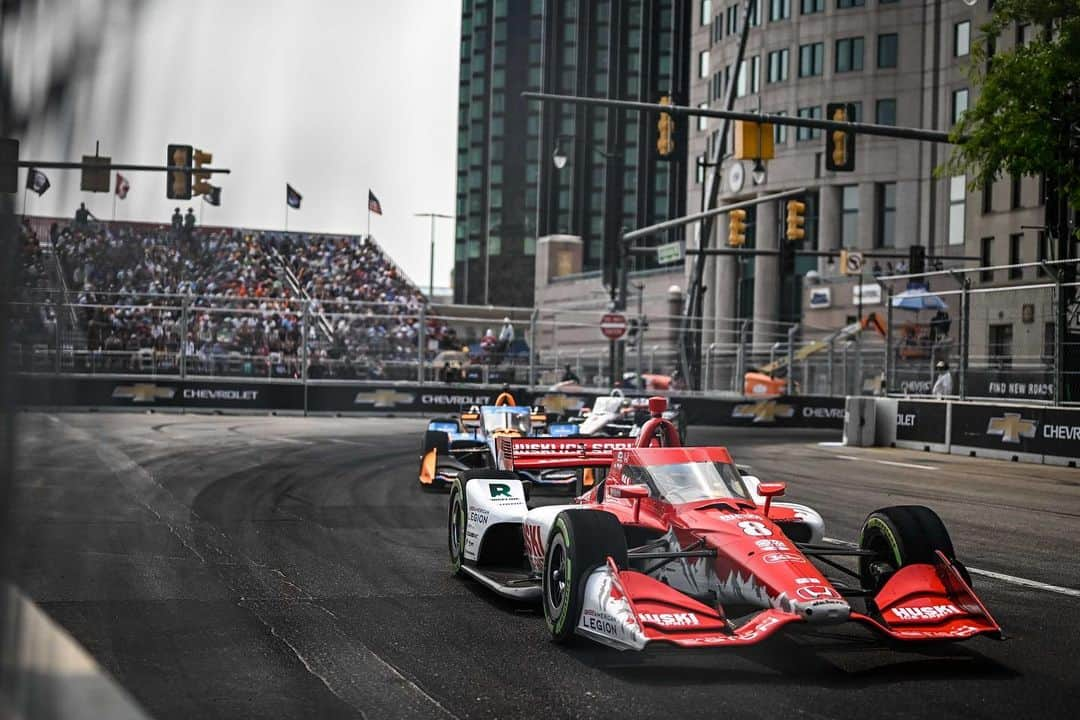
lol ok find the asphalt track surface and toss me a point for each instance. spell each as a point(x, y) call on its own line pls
point(270, 567)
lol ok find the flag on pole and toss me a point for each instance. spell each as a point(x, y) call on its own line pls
point(36, 181)
point(373, 203)
point(292, 197)
point(214, 196)
point(122, 186)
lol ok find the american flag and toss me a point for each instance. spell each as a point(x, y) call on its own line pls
point(122, 186)
point(373, 203)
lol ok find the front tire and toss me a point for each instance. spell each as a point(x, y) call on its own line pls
point(899, 536)
point(580, 541)
point(456, 524)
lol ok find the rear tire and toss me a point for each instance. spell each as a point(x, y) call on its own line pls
point(580, 541)
point(899, 536)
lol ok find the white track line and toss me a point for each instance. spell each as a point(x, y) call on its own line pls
point(887, 462)
point(1011, 579)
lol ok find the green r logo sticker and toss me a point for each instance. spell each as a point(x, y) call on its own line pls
point(499, 490)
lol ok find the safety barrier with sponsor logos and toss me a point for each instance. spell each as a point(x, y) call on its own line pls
point(343, 397)
point(1022, 432)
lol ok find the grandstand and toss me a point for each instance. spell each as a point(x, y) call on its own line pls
point(139, 297)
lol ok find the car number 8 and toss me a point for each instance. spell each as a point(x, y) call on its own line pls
point(753, 527)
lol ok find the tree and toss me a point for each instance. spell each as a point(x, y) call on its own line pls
point(1026, 120)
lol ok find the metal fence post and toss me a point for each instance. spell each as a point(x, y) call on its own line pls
point(184, 309)
point(740, 357)
point(889, 364)
point(305, 321)
point(832, 351)
point(532, 347)
point(791, 359)
point(965, 336)
point(1059, 336)
point(56, 333)
point(421, 345)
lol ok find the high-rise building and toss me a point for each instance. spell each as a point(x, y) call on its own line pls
point(509, 190)
point(900, 62)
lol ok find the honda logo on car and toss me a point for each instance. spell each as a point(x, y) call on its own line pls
point(816, 592)
point(927, 612)
point(670, 619)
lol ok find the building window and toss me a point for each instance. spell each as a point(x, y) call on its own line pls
point(1014, 192)
point(986, 255)
point(849, 55)
point(703, 64)
point(780, 131)
point(732, 19)
point(702, 121)
point(755, 74)
point(778, 65)
point(706, 12)
point(962, 38)
point(886, 198)
point(779, 10)
point(805, 133)
point(959, 104)
point(1014, 256)
point(885, 111)
point(811, 59)
point(957, 194)
point(849, 216)
point(999, 345)
point(988, 198)
point(886, 50)
point(699, 170)
point(844, 4)
point(809, 7)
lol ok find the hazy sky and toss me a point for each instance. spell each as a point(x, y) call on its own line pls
point(332, 96)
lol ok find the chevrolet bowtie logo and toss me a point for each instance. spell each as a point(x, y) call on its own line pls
point(383, 398)
point(143, 392)
point(560, 403)
point(765, 411)
point(1011, 427)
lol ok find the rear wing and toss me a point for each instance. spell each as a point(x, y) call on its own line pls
point(530, 453)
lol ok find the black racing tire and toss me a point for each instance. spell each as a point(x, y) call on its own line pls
point(579, 542)
point(456, 523)
point(899, 536)
point(458, 513)
point(436, 440)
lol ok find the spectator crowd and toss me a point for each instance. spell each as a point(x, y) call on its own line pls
point(244, 292)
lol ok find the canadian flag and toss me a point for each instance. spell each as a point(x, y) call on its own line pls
point(122, 186)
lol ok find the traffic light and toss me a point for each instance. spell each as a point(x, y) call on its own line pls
point(736, 228)
point(796, 219)
point(632, 328)
point(178, 183)
point(665, 135)
point(840, 144)
point(754, 141)
point(917, 259)
point(201, 180)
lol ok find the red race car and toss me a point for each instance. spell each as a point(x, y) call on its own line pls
point(677, 546)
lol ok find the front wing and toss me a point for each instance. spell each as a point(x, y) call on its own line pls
point(629, 610)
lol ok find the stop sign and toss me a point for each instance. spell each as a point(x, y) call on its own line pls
point(613, 325)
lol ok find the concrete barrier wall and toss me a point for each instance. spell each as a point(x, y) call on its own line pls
point(1027, 433)
point(147, 393)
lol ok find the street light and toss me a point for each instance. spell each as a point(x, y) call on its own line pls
point(559, 157)
point(431, 266)
point(758, 173)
